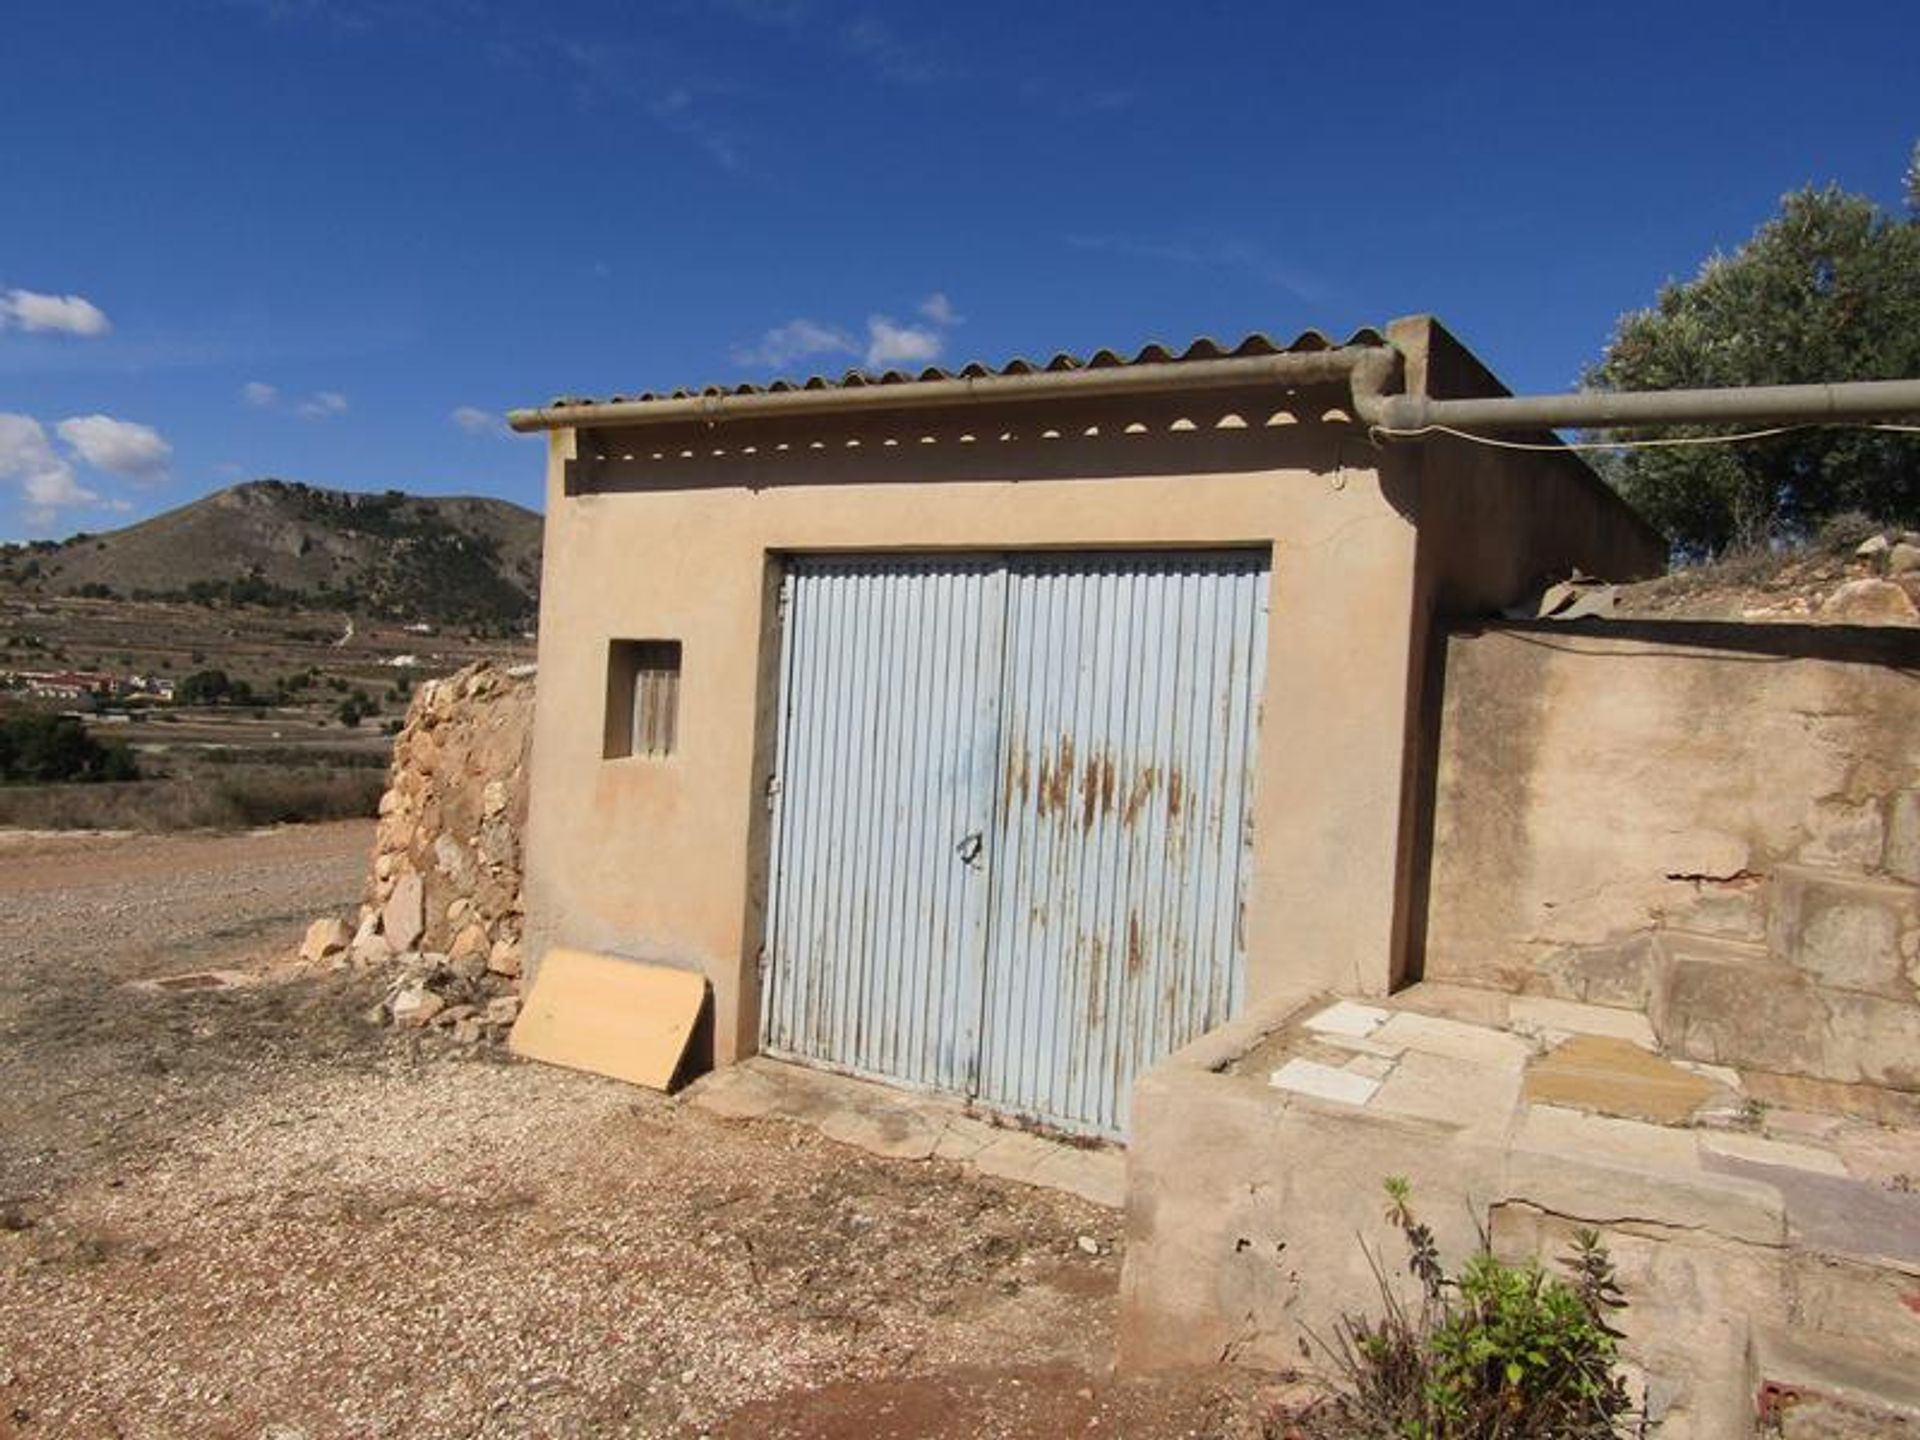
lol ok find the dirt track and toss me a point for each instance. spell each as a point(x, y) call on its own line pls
point(248, 1212)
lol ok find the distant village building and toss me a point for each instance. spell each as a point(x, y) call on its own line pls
point(71, 686)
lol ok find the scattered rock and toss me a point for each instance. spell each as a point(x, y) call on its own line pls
point(370, 948)
point(1088, 1245)
point(403, 919)
point(415, 1005)
point(503, 1010)
point(326, 937)
point(1873, 602)
point(1871, 547)
point(1903, 559)
point(472, 940)
point(505, 958)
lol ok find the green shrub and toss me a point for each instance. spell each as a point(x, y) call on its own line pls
point(1497, 1352)
point(39, 748)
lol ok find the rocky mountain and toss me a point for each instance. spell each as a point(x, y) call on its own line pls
point(454, 560)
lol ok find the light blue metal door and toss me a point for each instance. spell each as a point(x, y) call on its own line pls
point(1130, 701)
point(1012, 805)
point(883, 780)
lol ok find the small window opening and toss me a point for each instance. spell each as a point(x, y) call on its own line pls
point(643, 698)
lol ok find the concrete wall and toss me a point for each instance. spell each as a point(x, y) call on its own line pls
point(1493, 524)
point(1719, 824)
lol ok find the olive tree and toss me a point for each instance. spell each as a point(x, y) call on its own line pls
point(1827, 290)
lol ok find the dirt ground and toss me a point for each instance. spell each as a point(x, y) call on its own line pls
point(247, 1211)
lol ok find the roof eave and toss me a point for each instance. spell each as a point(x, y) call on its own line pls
point(1289, 369)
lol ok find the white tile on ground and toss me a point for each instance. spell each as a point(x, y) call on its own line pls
point(1323, 1082)
point(1454, 1038)
point(1347, 1017)
point(1537, 1012)
point(1762, 1151)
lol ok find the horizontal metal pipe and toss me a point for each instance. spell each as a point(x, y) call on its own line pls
point(1618, 409)
point(1288, 369)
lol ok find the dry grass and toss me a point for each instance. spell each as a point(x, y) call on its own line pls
point(230, 796)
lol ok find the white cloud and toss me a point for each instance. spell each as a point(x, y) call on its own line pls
point(937, 308)
point(321, 405)
point(889, 343)
point(795, 340)
point(56, 314)
point(120, 447)
point(46, 479)
point(475, 421)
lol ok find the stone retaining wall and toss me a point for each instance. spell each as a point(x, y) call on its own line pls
point(443, 906)
point(1718, 825)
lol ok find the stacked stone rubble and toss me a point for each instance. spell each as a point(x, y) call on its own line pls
point(442, 913)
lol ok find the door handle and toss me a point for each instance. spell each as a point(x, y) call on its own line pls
point(969, 849)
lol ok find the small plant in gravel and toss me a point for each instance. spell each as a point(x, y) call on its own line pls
point(1496, 1351)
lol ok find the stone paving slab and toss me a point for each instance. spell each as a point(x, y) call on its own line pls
point(1617, 1077)
point(1347, 1017)
point(1557, 1019)
point(1763, 1151)
point(1466, 1093)
point(1838, 1215)
point(1456, 1039)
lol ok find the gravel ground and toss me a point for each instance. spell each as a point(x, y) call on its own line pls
point(248, 1212)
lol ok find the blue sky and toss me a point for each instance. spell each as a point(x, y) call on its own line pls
point(332, 241)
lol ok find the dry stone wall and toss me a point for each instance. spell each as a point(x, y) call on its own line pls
point(442, 911)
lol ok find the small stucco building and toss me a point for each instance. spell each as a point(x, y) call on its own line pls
point(997, 732)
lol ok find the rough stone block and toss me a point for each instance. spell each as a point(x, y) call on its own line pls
point(1736, 1010)
point(1902, 857)
point(1618, 973)
point(403, 919)
point(1845, 933)
point(326, 937)
point(1872, 1040)
point(1848, 834)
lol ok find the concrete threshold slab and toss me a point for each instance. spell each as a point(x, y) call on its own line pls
point(909, 1125)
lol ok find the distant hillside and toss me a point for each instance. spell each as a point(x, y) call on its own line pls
point(459, 560)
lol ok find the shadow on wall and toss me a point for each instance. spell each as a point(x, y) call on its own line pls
point(1223, 432)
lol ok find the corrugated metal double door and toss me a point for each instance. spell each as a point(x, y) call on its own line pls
point(1012, 807)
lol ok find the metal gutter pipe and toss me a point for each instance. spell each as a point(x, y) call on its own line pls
point(1860, 400)
point(1289, 369)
